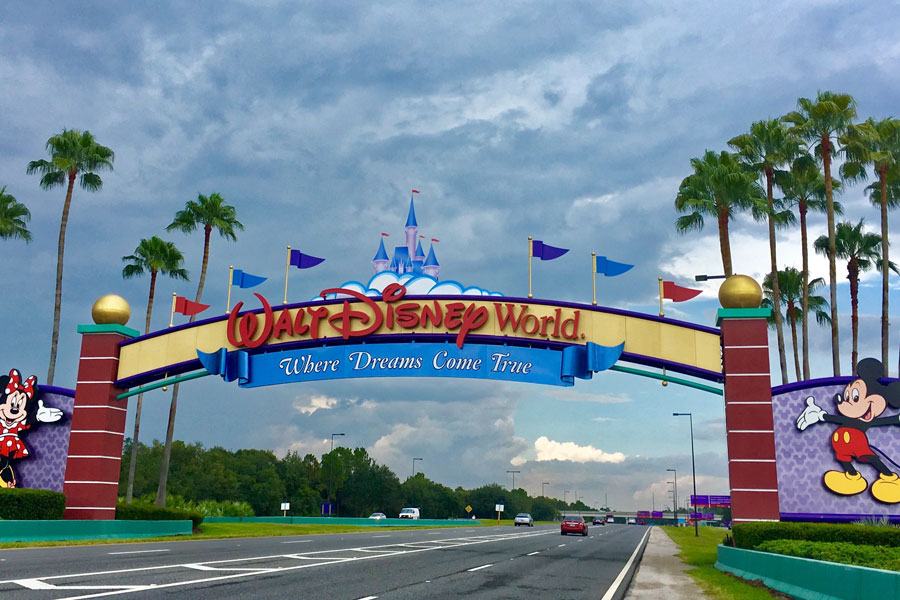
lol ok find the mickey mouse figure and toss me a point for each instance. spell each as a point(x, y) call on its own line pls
point(17, 414)
point(861, 405)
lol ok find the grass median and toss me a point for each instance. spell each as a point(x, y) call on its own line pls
point(701, 553)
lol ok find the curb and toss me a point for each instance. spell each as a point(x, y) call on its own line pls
point(621, 584)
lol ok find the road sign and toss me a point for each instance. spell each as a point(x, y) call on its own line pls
point(285, 506)
point(468, 508)
point(498, 507)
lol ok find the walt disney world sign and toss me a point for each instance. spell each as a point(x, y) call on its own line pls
point(395, 335)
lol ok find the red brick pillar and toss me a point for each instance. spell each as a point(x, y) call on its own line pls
point(98, 426)
point(748, 414)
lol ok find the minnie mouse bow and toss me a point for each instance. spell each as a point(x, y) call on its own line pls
point(15, 384)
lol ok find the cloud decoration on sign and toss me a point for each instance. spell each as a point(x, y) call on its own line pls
point(416, 285)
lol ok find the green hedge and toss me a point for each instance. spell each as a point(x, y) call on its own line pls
point(151, 512)
point(751, 535)
point(21, 504)
point(848, 553)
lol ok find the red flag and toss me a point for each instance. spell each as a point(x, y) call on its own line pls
point(435, 240)
point(422, 236)
point(678, 293)
point(385, 234)
point(415, 191)
point(188, 307)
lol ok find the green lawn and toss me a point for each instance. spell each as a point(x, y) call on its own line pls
point(700, 553)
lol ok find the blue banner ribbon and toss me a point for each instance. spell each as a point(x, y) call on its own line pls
point(230, 365)
point(583, 361)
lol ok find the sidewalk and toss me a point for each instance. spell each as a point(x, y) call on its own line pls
point(661, 573)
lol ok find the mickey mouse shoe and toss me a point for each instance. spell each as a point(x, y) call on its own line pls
point(846, 484)
point(887, 489)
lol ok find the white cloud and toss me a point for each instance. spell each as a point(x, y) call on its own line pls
point(314, 403)
point(548, 449)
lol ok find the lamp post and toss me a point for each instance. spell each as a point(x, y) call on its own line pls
point(565, 493)
point(333, 435)
point(415, 458)
point(514, 479)
point(705, 277)
point(693, 469)
point(543, 483)
point(675, 476)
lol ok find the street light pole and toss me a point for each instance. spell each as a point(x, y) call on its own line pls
point(676, 494)
point(543, 483)
point(693, 469)
point(332, 439)
point(415, 458)
point(565, 493)
point(514, 479)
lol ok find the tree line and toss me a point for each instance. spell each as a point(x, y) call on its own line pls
point(349, 479)
point(795, 154)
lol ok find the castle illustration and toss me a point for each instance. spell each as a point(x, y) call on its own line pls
point(409, 258)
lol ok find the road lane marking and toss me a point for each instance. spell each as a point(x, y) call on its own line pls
point(481, 567)
point(611, 592)
point(533, 553)
point(297, 542)
point(369, 598)
point(561, 545)
point(380, 536)
point(139, 551)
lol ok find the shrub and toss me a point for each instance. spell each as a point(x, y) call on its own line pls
point(751, 535)
point(21, 504)
point(875, 557)
point(151, 512)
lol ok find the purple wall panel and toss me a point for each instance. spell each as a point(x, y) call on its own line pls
point(48, 444)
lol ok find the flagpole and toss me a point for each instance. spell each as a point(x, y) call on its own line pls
point(594, 276)
point(529, 266)
point(231, 278)
point(172, 316)
point(287, 266)
point(661, 313)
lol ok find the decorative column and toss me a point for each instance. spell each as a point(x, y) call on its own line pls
point(98, 419)
point(749, 422)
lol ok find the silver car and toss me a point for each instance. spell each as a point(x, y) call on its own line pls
point(523, 519)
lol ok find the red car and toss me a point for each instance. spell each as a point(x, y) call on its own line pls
point(573, 525)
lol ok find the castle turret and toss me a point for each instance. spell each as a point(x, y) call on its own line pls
point(412, 229)
point(432, 267)
point(381, 261)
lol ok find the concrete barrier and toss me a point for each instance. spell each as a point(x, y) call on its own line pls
point(358, 521)
point(809, 579)
point(41, 531)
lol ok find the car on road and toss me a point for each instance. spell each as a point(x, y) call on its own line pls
point(378, 516)
point(598, 521)
point(523, 519)
point(632, 521)
point(573, 524)
point(641, 522)
point(610, 518)
point(409, 513)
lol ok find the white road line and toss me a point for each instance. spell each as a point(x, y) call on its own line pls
point(369, 598)
point(139, 551)
point(561, 545)
point(380, 536)
point(611, 592)
point(533, 553)
point(479, 568)
point(297, 542)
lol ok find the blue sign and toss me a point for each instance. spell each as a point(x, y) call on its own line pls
point(507, 363)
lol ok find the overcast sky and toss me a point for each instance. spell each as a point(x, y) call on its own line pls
point(572, 122)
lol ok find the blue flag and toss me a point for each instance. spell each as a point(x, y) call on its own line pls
point(611, 268)
point(304, 261)
point(245, 280)
point(546, 251)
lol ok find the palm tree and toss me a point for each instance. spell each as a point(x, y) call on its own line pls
point(209, 213)
point(157, 257)
point(719, 187)
point(767, 147)
point(791, 286)
point(862, 251)
point(73, 155)
point(876, 143)
point(818, 122)
point(13, 218)
point(804, 187)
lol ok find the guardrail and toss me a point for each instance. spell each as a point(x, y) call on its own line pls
point(358, 521)
point(42, 531)
point(809, 579)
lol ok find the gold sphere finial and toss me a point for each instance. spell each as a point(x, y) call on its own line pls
point(111, 309)
point(740, 291)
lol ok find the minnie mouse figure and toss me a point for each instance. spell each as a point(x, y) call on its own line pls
point(18, 413)
point(861, 405)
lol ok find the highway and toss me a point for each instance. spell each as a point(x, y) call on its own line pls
point(470, 562)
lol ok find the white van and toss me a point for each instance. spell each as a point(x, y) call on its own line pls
point(409, 513)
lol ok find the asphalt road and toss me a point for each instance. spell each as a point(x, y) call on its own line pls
point(483, 562)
